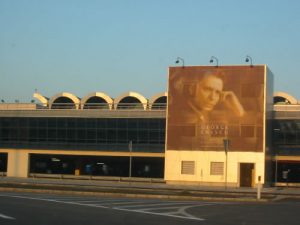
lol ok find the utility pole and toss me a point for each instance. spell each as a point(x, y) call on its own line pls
point(226, 148)
point(130, 157)
point(276, 170)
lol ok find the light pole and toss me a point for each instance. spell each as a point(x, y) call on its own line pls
point(226, 148)
point(249, 59)
point(276, 170)
point(130, 157)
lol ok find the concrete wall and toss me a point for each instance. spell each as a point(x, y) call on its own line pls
point(203, 160)
point(17, 106)
point(17, 163)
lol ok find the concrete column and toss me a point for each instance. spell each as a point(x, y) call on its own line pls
point(17, 163)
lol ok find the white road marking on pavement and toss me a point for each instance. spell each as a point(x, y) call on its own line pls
point(161, 214)
point(154, 205)
point(6, 217)
point(180, 211)
point(175, 207)
point(120, 203)
point(52, 200)
point(104, 202)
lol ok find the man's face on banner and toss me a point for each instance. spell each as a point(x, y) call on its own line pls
point(209, 104)
point(208, 92)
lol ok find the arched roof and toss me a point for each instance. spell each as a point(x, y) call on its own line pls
point(41, 98)
point(135, 95)
point(155, 97)
point(70, 96)
point(289, 98)
point(101, 95)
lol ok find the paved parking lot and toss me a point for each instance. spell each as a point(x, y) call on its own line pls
point(155, 207)
point(50, 209)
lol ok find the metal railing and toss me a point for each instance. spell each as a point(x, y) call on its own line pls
point(97, 178)
point(87, 106)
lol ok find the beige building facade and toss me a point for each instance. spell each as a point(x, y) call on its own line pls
point(195, 148)
point(66, 134)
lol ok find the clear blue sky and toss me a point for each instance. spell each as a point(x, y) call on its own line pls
point(115, 46)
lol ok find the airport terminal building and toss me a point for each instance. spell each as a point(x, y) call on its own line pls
point(244, 133)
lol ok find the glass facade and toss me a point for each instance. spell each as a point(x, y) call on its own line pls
point(103, 134)
point(286, 142)
point(97, 165)
point(286, 134)
point(287, 171)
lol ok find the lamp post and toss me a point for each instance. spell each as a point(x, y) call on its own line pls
point(212, 59)
point(276, 170)
point(249, 59)
point(130, 157)
point(178, 60)
point(226, 148)
point(276, 133)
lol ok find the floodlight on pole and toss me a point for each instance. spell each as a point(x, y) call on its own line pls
point(178, 60)
point(249, 59)
point(212, 59)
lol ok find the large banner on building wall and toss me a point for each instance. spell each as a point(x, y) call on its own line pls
point(209, 104)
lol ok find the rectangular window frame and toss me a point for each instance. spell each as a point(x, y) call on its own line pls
point(188, 167)
point(217, 168)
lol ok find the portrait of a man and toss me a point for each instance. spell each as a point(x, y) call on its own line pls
point(207, 105)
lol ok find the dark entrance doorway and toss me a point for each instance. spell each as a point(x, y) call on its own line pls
point(246, 174)
point(3, 162)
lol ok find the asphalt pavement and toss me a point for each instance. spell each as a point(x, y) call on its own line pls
point(146, 189)
point(23, 208)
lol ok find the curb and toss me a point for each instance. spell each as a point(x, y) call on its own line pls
point(132, 195)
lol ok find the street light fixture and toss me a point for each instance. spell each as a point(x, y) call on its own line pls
point(212, 59)
point(178, 60)
point(249, 59)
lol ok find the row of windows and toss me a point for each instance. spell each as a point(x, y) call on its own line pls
point(101, 131)
point(141, 132)
point(286, 132)
point(142, 136)
point(188, 168)
point(97, 165)
point(84, 123)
